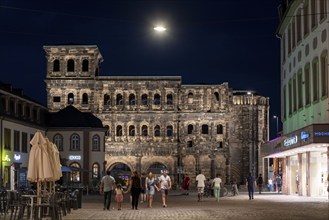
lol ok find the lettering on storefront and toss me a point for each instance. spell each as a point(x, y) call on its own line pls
point(321, 133)
point(74, 157)
point(17, 156)
point(290, 141)
point(304, 135)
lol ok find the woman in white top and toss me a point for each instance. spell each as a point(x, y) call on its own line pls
point(216, 185)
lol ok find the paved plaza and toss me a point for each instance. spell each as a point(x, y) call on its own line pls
point(264, 206)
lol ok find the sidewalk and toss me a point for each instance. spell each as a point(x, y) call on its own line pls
point(264, 206)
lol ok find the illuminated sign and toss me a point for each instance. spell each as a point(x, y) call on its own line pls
point(321, 133)
point(290, 141)
point(74, 157)
point(304, 135)
point(7, 158)
point(17, 156)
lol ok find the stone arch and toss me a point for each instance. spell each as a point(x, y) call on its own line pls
point(167, 162)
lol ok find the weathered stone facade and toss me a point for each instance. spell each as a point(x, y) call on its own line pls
point(156, 119)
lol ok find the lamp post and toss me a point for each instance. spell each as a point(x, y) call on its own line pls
point(277, 124)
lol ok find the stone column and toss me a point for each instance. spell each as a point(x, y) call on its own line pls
point(308, 175)
point(299, 181)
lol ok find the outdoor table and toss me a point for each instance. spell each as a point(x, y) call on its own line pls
point(31, 197)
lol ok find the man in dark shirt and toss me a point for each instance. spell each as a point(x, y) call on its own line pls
point(250, 184)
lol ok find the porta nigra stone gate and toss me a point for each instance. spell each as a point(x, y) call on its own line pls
point(156, 120)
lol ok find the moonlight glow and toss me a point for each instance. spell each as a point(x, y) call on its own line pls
point(160, 29)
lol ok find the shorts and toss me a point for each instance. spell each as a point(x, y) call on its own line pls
point(200, 189)
point(164, 192)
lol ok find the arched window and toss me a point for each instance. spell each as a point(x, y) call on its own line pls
point(204, 129)
point(107, 132)
point(95, 170)
point(144, 130)
point(85, 66)
point(189, 143)
point(144, 99)
point(169, 99)
point(119, 99)
point(132, 130)
point(132, 100)
point(85, 98)
point(56, 66)
point(96, 143)
point(216, 94)
point(157, 100)
point(119, 131)
point(107, 99)
point(70, 98)
point(58, 141)
point(75, 175)
point(189, 129)
point(75, 142)
point(157, 131)
point(219, 129)
point(169, 131)
point(190, 98)
point(70, 65)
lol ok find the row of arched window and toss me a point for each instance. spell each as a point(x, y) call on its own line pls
point(157, 130)
point(75, 142)
point(70, 65)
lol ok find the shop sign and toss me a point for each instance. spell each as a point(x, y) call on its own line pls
point(74, 157)
point(304, 135)
point(17, 157)
point(290, 141)
point(321, 133)
point(7, 159)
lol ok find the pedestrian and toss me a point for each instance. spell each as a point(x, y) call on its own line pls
point(135, 186)
point(165, 185)
point(250, 183)
point(278, 183)
point(106, 188)
point(143, 190)
point(216, 183)
point(200, 179)
point(186, 185)
point(150, 186)
point(119, 195)
point(235, 191)
point(260, 183)
point(270, 184)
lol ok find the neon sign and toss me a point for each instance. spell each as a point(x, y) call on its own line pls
point(290, 141)
point(7, 158)
point(17, 156)
point(74, 157)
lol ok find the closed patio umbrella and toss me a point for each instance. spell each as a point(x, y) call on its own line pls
point(39, 168)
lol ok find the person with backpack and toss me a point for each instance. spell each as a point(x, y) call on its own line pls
point(260, 183)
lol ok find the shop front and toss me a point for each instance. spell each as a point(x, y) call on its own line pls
point(300, 159)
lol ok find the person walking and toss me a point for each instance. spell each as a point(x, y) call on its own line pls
point(165, 185)
point(260, 183)
point(200, 179)
point(216, 183)
point(135, 187)
point(270, 184)
point(106, 188)
point(150, 186)
point(119, 195)
point(186, 185)
point(250, 184)
point(278, 183)
point(143, 190)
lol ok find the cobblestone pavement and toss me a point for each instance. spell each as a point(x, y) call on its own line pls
point(264, 206)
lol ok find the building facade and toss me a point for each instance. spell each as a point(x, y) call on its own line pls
point(301, 154)
point(155, 122)
point(20, 118)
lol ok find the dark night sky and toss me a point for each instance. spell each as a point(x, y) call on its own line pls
point(207, 41)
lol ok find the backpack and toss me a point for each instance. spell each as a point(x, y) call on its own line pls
point(260, 180)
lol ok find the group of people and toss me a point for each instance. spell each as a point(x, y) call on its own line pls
point(137, 186)
point(251, 183)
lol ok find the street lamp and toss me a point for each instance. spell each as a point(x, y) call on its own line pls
point(277, 124)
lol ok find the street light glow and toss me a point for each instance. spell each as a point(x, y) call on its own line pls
point(159, 29)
